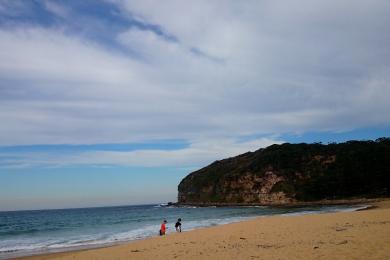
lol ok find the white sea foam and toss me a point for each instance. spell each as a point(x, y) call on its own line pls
point(11, 246)
point(328, 210)
point(356, 208)
point(30, 245)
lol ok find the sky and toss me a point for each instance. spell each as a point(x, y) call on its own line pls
point(113, 102)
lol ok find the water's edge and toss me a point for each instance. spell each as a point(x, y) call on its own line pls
point(22, 254)
point(325, 202)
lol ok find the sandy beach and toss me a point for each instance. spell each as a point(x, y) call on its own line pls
point(344, 235)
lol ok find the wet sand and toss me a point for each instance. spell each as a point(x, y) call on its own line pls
point(344, 235)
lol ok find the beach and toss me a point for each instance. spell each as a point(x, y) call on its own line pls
point(343, 235)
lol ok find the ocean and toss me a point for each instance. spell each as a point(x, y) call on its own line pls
point(41, 231)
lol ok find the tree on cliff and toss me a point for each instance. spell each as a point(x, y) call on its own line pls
point(294, 172)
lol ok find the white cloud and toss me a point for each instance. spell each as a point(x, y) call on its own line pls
point(197, 154)
point(42, 56)
point(259, 67)
point(57, 9)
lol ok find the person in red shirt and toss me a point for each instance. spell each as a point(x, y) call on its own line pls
point(163, 227)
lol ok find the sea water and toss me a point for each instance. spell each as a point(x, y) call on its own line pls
point(40, 231)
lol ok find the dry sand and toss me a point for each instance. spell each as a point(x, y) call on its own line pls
point(345, 235)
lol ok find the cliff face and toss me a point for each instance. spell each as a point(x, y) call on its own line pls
point(281, 174)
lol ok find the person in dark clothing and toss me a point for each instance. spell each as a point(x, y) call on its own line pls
point(178, 225)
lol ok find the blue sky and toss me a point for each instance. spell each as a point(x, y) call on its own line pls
point(114, 102)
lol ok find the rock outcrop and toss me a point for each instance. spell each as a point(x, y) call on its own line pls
point(290, 173)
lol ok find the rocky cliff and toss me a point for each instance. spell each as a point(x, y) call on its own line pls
point(288, 173)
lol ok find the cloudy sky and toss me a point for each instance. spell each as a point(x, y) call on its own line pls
point(114, 102)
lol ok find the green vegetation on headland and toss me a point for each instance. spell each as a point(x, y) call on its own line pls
point(290, 173)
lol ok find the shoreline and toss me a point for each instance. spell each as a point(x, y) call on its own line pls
point(376, 204)
point(352, 201)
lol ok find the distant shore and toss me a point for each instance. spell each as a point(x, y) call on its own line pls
point(343, 235)
point(352, 201)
